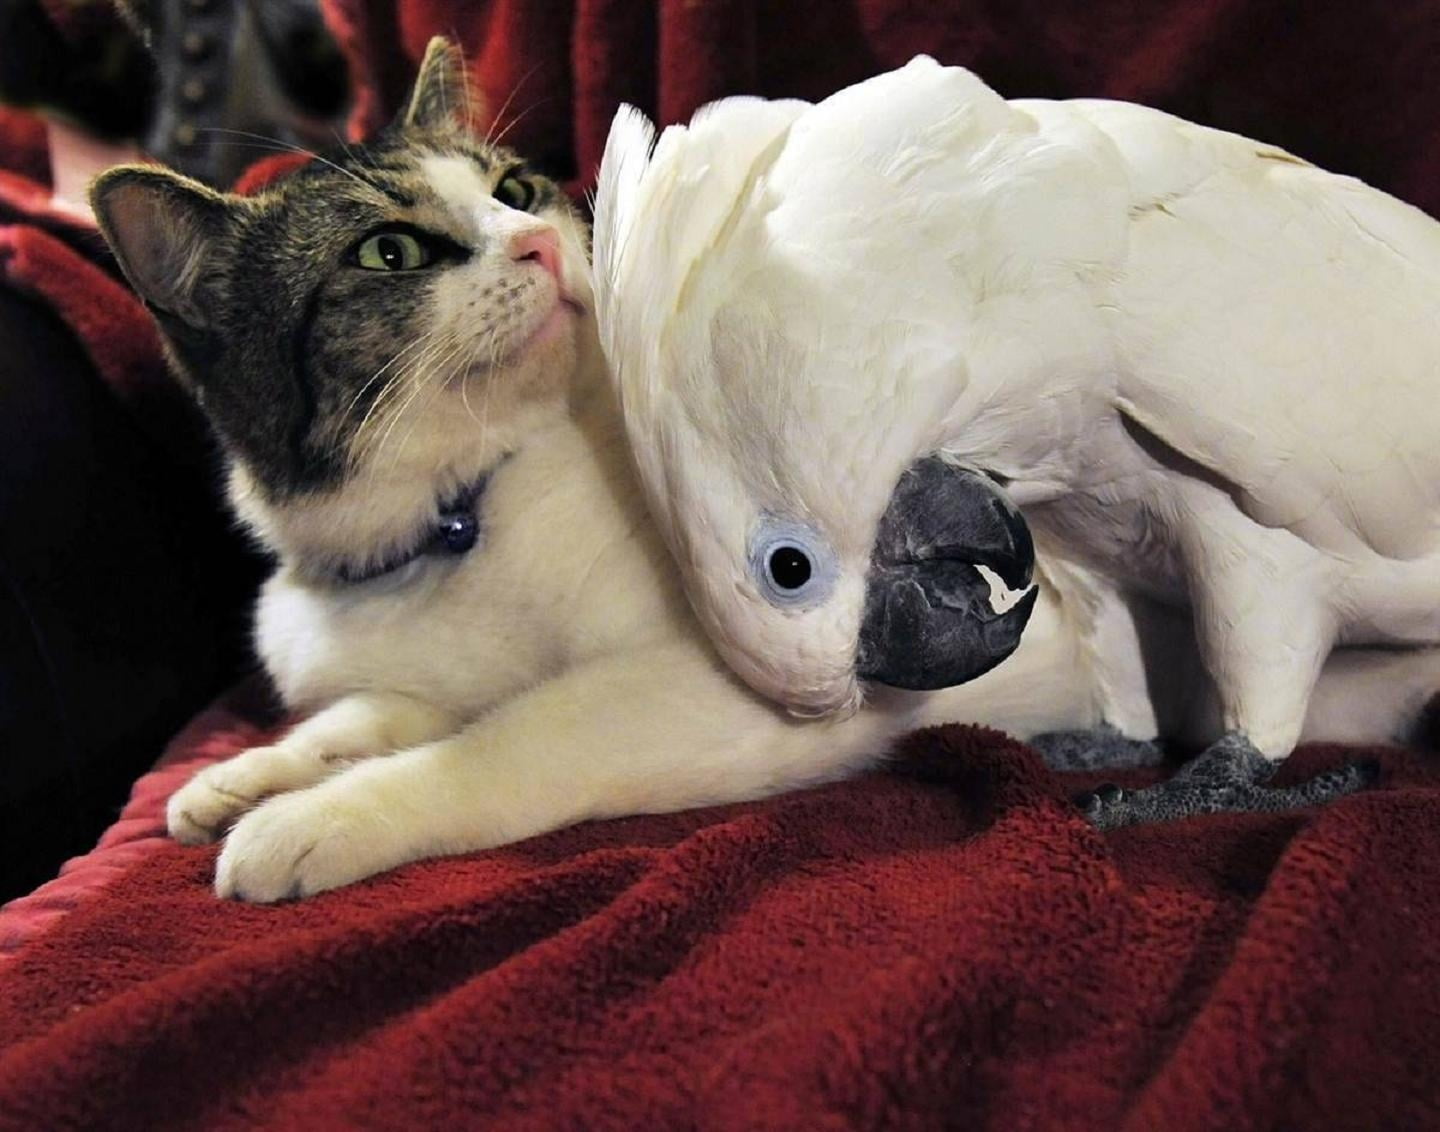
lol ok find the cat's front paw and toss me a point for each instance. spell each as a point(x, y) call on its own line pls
point(201, 810)
point(300, 844)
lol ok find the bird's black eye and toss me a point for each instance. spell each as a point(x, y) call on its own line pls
point(515, 191)
point(789, 567)
point(791, 563)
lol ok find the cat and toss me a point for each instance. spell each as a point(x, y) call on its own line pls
point(396, 350)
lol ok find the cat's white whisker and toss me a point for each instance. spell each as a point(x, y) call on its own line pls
point(395, 357)
point(281, 145)
point(344, 145)
point(499, 139)
point(453, 361)
point(504, 106)
point(402, 387)
point(419, 386)
point(368, 453)
point(389, 385)
point(448, 368)
point(485, 400)
point(465, 401)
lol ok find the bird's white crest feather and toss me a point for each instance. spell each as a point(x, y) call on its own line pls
point(627, 153)
point(659, 206)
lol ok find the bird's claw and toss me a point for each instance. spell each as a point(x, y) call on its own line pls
point(1093, 802)
point(1228, 777)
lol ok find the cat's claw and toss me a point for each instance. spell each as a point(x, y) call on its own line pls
point(201, 810)
point(1106, 794)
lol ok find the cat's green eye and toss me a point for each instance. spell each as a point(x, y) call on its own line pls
point(393, 251)
point(515, 191)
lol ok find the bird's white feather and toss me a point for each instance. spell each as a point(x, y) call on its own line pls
point(697, 172)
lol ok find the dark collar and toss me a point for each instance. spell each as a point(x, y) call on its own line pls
point(454, 531)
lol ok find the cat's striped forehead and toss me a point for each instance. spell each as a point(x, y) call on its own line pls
point(455, 180)
point(448, 168)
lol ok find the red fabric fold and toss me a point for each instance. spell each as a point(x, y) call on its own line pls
point(113, 328)
point(947, 945)
point(1348, 86)
point(104, 313)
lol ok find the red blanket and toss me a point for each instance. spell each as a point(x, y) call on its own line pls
point(949, 945)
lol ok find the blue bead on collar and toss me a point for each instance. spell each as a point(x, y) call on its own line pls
point(455, 531)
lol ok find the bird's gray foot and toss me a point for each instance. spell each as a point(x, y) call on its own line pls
point(1227, 777)
point(1102, 748)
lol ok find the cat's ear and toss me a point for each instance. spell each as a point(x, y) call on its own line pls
point(442, 97)
point(162, 227)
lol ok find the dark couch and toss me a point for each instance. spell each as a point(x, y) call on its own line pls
point(123, 595)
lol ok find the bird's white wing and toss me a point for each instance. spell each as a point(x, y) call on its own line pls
point(1280, 326)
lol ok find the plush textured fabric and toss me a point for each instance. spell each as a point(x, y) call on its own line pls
point(236, 721)
point(1352, 87)
point(947, 945)
point(23, 143)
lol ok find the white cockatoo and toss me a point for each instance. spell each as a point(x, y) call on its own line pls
point(851, 338)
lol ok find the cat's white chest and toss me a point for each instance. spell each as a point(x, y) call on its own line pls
point(415, 632)
point(564, 568)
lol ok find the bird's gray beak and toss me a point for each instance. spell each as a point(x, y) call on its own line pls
point(928, 622)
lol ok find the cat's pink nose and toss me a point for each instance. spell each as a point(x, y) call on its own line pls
point(543, 247)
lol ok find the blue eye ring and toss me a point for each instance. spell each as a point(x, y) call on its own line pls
point(791, 564)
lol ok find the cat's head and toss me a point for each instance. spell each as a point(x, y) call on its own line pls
point(386, 315)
